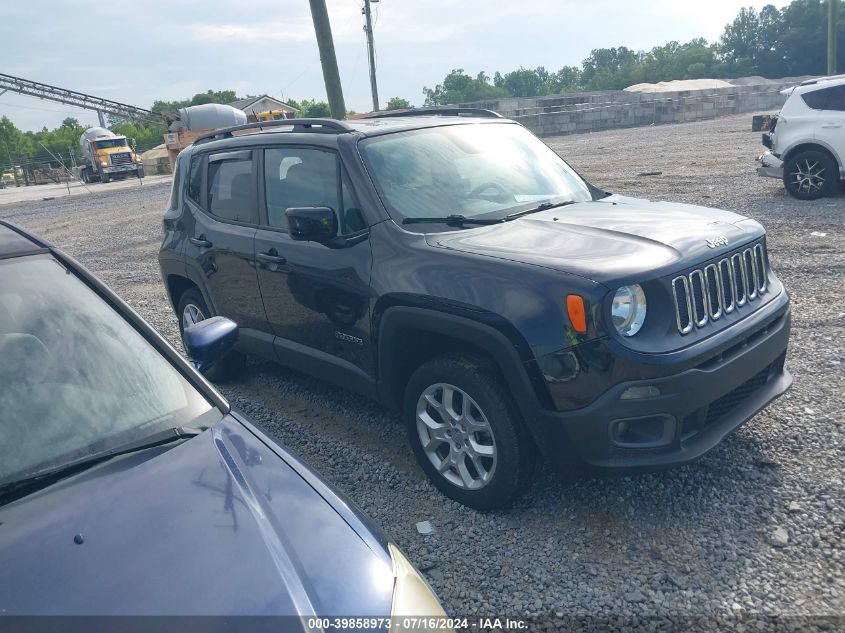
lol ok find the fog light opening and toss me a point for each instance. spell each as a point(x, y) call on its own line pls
point(645, 432)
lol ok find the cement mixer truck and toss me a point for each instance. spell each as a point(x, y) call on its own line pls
point(107, 156)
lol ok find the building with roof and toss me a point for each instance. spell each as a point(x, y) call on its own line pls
point(253, 105)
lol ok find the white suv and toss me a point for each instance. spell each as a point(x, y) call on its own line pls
point(807, 139)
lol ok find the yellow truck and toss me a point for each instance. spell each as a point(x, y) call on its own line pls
point(105, 156)
point(271, 115)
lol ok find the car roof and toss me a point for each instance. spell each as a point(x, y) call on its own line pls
point(820, 83)
point(15, 241)
point(376, 125)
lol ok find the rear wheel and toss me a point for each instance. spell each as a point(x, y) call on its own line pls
point(191, 310)
point(466, 432)
point(810, 174)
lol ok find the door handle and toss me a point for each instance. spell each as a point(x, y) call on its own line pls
point(270, 257)
point(200, 241)
point(831, 125)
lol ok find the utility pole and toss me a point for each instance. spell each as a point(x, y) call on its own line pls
point(331, 77)
point(832, 6)
point(368, 29)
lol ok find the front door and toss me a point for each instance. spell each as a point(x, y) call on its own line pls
point(830, 122)
point(222, 195)
point(316, 297)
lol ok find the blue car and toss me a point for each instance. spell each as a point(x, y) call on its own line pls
point(128, 486)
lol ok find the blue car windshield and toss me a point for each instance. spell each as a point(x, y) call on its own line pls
point(484, 170)
point(75, 377)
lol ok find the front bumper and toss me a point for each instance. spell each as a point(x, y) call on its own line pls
point(770, 166)
point(695, 409)
point(120, 169)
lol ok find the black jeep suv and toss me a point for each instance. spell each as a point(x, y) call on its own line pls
point(454, 266)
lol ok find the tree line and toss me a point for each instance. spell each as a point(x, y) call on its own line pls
point(772, 43)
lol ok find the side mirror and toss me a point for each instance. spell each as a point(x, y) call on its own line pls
point(210, 340)
point(312, 224)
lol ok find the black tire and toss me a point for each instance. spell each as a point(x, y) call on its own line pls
point(85, 177)
point(810, 174)
point(228, 368)
point(514, 451)
point(105, 178)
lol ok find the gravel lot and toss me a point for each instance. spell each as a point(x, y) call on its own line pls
point(756, 526)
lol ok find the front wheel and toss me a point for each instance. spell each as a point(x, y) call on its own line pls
point(105, 178)
point(466, 432)
point(810, 174)
point(192, 309)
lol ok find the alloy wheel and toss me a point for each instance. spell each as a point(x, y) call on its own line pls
point(191, 315)
point(808, 176)
point(456, 436)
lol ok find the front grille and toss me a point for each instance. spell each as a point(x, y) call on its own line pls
point(123, 158)
point(706, 294)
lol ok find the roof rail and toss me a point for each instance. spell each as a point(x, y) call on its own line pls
point(476, 112)
point(817, 80)
point(319, 126)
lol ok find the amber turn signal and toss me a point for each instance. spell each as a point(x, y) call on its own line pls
point(577, 313)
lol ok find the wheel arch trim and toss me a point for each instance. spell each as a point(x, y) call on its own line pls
point(506, 353)
point(816, 145)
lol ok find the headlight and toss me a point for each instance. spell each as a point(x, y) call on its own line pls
point(411, 594)
point(104, 163)
point(629, 308)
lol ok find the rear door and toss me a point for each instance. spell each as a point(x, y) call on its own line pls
point(830, 120)
point(222, 197)
point(316, 297)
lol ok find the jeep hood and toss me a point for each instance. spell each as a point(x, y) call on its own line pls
point(608, 239)
point(218, 525)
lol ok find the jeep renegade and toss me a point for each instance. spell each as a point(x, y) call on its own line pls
point(451, 265)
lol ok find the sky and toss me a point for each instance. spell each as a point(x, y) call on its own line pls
point(159, 49)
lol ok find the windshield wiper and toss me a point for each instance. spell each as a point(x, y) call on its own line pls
point(543, 206)
point(46, 477)
point(452, 220)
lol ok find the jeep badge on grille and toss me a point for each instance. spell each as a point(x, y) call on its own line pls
point(720, 240)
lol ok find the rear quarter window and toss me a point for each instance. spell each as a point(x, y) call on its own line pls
point(826, 98)
point(174, 188)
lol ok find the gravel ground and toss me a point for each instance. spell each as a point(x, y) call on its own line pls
point(755, 527)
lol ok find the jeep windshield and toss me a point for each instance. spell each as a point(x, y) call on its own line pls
point(482, 171)
point(76, 379)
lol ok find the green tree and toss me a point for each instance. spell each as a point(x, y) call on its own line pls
point(525, 82)
point(210, 96)
point(458, 87)
point(310, 108)
point(398, 103)
point(567, 79)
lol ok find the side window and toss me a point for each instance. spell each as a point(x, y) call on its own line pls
point(836, 100)
point(195, 179)
point(231, 187)
point(299, 177)
point(818, 99)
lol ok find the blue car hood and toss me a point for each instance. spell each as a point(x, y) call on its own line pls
point(221, 524)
